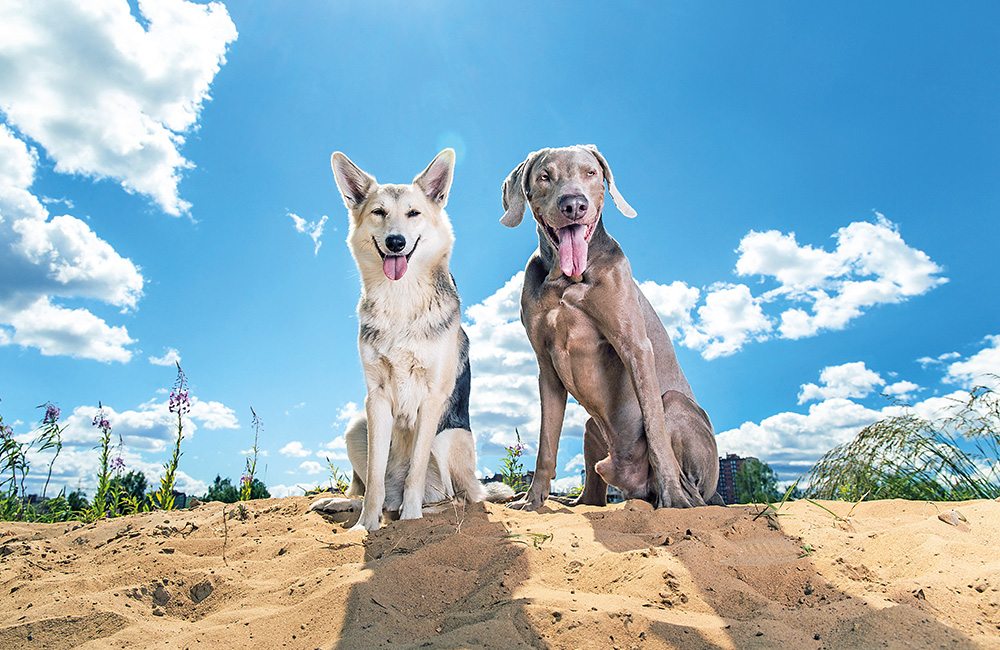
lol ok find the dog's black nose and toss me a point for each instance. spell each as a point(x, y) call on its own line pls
point(395, 243)
point(573, 206)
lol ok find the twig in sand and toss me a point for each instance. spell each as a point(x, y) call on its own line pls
point(537, 539)
point(336, 546)
point(771, 512)
point(846, 519)
point(225, 537)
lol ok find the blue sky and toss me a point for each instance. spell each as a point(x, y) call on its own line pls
point(816, 187)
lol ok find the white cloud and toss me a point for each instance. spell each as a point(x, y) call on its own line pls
point(311, 467)
point(214, 415)
point(171, 357)
point(871, 265)
point(567, 483)
point(17, 161)
point(347, 411)
point(944, 358)
point(54, 330)
point(673, 304)
point(56, 257)
point(798, 268)
point(981, 369)
point(847, 380)
point(575, 463)
point(799, 439)
point(815, 290)
point(336, 449)
point(730, 318)
point(901, 389)
point(312, 228)
point(337, 443)
point(295, 450)
point(105, 96)
point(282, 491)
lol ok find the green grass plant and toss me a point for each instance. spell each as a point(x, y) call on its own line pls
point(246, 481)
point(511, 468)
point(99, 506)
point(179, 405)
point(953, 457)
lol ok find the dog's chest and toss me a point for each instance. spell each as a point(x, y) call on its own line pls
point(404, 367)
point(579, 350)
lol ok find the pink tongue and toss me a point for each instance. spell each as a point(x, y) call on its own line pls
point(572, 250)
point(394, 266)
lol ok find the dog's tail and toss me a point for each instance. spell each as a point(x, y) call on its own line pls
point(497, 491)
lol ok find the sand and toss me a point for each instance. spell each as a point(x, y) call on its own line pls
point(891, 575)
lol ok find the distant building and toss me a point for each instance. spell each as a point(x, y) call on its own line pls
point(180, 500)
point(728, 467)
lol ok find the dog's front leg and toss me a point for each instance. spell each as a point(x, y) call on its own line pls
point(380, 423)
point(553, 403)
point(413, 490)
point(637, 355)
point(626, 330)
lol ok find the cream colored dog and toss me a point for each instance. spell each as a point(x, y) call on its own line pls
point(413, 446)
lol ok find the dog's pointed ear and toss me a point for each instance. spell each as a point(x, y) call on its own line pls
point(353, 183)
point(435, 181)
point(616, 196)
point(514, 192)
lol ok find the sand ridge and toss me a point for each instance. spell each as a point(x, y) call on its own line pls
point(892, 574)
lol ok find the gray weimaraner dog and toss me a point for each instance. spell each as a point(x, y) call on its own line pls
point(597, 337)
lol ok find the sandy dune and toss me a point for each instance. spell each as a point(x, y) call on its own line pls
point(893, 575)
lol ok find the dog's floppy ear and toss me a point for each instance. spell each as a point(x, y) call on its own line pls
point(616, 196)
point(435, 181)
point(353, 183)
point(514, 192)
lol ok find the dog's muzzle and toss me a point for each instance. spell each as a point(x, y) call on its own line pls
point(393, 263)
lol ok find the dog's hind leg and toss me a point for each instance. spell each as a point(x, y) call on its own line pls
point(336, 504)
point(595, 448)
point(693, 442)
point(458, 451)
point(356, 439)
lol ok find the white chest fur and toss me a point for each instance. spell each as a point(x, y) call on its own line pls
point(409, 348)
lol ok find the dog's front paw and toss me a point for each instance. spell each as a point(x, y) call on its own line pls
point(366, 524)
point(336, 504)
point(525, 504)
point(411, 513)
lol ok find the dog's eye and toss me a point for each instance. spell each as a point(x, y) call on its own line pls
point(413, 213)
point(379, 212)
point(544, 176)
point(591, 172)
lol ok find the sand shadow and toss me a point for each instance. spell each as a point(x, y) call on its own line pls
point(445, 581)
point(701, 578)
point(744, 583)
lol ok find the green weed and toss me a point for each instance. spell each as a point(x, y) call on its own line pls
point(953, 457)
